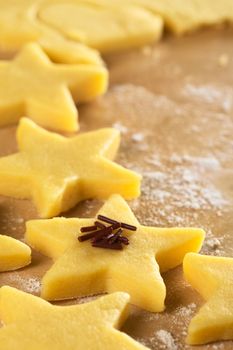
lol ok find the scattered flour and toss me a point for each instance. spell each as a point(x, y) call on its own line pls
point(29, 285)
point(87, 299)
point(213, 243)
point(219, 346)
point(166, 339)
point(19, 220)
point(119, 126)
point(209, 94)
point(138, 137)
point(186, 311)
point(179, 189)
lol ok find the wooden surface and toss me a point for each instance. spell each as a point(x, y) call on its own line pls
point(174, 105)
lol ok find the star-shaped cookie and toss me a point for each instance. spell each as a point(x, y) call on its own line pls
point(32, 323)
point(81, 269)
point(212, 277)
point(32, 85)
point(13, 254)
point(58, 172)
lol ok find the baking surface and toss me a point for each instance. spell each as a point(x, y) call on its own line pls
point(174, 105)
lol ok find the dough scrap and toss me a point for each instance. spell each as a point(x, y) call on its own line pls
point(34, 86)
point(13, 254)
point(58, 172)
point(81, 269)
point(22, 14)
point(105, 26)
point(32, 323)
point(184, 16)
point(212, 277)
point(101, 24)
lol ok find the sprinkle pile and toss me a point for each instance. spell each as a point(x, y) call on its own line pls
point(106, 236)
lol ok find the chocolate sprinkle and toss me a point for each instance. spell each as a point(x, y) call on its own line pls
point(99, 224)
point(88, 228)
point(107, 237)
point(124, 240)
point(108, 220)
point(128, 227)
point(102, 233)
point(115, 236)
point(121, 224)
point(87, 236)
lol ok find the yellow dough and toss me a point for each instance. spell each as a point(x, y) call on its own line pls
point(34, 86)
point(58, 172)
point(81, 269)
point(13, 254)
point(181, 16)
point(19, 25)
point(100, 24)
point(32, 323)
point(62, 27)
point(212, 277)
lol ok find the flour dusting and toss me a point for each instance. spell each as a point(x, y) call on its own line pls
point(29, 285)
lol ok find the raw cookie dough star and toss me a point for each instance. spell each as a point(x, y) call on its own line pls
point(13, 254)
point(212, 277)
point(81, 269)
point(32, 323)
point(58, 172)
point(34, 86)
